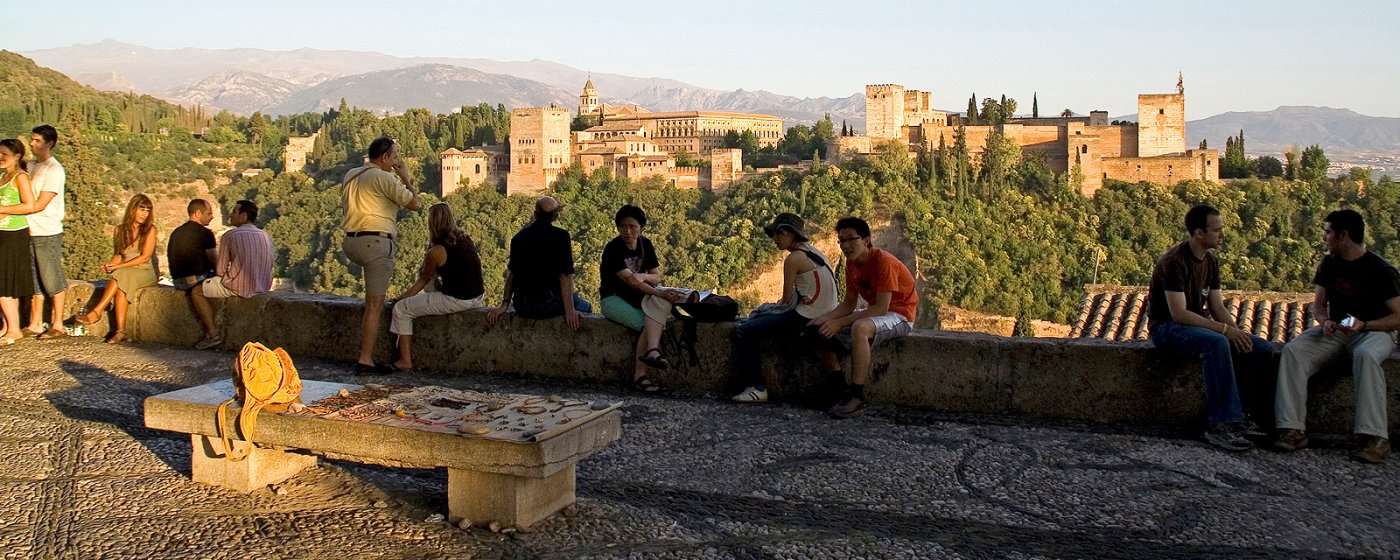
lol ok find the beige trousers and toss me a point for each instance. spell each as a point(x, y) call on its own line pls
point(1306, 354)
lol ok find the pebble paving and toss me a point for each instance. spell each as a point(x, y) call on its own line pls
point(693, 477)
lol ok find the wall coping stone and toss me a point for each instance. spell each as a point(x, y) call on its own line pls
point(1074, 379)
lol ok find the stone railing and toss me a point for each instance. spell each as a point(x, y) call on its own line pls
point(1077, 379)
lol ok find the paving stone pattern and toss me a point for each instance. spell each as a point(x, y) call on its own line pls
point(693, 477)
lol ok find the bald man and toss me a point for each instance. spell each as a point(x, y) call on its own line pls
point(540, 273)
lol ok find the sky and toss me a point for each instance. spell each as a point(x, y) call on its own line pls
point(1235, 56)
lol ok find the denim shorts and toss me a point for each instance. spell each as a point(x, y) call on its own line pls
point(48, 263)
point(888, 326)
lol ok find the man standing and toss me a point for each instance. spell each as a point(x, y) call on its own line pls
point(371, 196)
point(1356, 298)
point(540, 272)
point(244, 268)
point(1186, 315)
point(887, 288)
point(45, 216)
point(191, 255)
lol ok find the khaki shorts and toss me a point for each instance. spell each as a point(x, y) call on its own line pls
point(376, 255)
point(214, 288)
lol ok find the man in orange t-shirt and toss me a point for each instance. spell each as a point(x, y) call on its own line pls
point(891, 302)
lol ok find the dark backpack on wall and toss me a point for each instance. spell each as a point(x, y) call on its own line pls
point(713, 309)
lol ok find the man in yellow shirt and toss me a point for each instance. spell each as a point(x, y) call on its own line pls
point(371, 197)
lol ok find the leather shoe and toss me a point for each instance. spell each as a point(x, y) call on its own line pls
point(373, 369)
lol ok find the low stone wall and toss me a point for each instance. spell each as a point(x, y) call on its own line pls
point(1079, 379)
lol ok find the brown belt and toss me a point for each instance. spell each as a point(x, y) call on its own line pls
point(374, 233)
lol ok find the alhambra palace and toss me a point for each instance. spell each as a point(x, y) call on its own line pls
point(637, 143)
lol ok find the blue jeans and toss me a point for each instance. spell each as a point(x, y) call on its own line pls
point(551, 307)
point(750, 332)
point(1219, 358)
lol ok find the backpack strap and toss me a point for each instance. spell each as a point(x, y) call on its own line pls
point(227, 438)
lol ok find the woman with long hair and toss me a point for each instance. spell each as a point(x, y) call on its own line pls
point(16, 256)
point(131, 268)
point(453, 258)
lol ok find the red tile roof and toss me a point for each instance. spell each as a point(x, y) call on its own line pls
point(1119, 313)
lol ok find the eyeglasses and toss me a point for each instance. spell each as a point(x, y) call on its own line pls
point(844, 240)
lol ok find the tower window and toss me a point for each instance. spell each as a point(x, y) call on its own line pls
point(1161, 111)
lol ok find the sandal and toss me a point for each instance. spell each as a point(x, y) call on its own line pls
point(116, 337)
point(645, 385)
point(658, 362)
point(84, 320)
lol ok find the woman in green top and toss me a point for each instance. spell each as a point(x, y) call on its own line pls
point(131, 268)
point(16, 255)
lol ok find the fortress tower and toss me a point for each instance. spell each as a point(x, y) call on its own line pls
point(539, 148)
point(884, 111)
point(1162, 122)
point(588, 103)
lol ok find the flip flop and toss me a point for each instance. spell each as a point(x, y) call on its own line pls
point(8, 341)
point(657, 362)
point(645, 385)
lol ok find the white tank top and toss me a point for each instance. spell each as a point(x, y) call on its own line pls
point(816, 288)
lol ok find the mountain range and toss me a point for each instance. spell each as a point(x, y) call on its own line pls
point(283, 82)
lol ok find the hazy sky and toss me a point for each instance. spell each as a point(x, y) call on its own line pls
point(1236, 56)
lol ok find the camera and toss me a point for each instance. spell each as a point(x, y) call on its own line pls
point(1347, 322)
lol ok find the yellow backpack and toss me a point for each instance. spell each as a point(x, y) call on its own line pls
point(262, 378)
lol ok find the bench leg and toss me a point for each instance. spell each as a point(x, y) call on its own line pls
point(261, 468)
point(514, 501)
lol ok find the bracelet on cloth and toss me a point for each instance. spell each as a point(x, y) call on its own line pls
point(1224, 328)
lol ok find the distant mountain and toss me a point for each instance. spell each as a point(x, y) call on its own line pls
point(439, 88)
point(1273, 131)
point(184, 75)
point(235, 90)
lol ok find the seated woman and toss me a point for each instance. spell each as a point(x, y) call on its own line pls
point(809, 291)
point(16, 260)
point(131, 267)
point(629, 283)
point(453, 258)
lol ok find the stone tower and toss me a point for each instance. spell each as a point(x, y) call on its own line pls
point(884, 111)
point(1162, 122)
point(726, 167)
point(539, 148)
point(588, 102)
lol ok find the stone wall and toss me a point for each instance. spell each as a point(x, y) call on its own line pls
point(1078, 379)
point(1161, 124)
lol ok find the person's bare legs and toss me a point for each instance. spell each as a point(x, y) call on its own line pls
point(203, 310)
point(862, 332)
point(369, 328)
point(119, 306)
point(97, 310)
point(58, 301)
point(405, 361)
point(650, 338)
point(9, 307)
point(36, 315)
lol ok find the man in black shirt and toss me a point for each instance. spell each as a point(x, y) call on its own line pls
point(1186, 315)
point(540, 272)
point(1356, 299)
point(191, 255)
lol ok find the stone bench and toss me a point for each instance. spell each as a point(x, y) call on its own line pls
point(1075, 379)
point(516, 483)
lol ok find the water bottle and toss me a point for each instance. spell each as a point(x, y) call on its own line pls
point(80, 329)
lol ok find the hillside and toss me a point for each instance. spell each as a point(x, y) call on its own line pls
point(31, 94)
point(439, 88)
point(184, 75)
point(1273, 131)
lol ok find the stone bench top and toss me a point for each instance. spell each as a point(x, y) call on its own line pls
point(536, 453)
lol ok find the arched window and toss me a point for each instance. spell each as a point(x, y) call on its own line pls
point(478, 168)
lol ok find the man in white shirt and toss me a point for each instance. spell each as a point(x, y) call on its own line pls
point(45, 216)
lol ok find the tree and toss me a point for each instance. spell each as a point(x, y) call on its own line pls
point(1313, 165)
point(1290, 169)
point(1035, 106)
point(825, 129)
point(1067, 113)
point(1234, 164)
point(844, 131)
point(972, 109)
point(1203, 143)
point(1266, 167)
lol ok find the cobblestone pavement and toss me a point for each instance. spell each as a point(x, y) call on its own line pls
point(692, 477)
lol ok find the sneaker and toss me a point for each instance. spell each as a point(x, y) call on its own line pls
point(1373, 451)
point(1224, 436)
point(1248, 428)
point(851, 408)
point(208, 342)
point(1291, 440)
point(751, 395)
